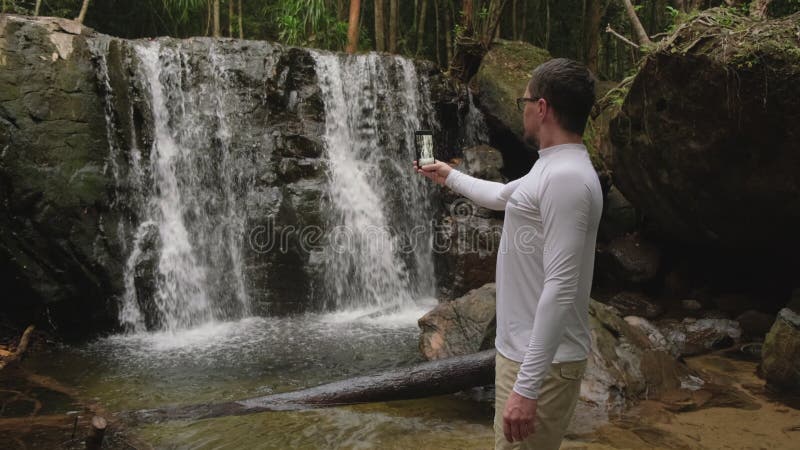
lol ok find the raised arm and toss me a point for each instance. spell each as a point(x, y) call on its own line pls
point(487, 194)
point(565, 208)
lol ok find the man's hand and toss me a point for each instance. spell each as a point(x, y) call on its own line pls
point(519, 416)
point(438, 171)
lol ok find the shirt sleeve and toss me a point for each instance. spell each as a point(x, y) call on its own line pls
point(488, 194)
point(565, 208)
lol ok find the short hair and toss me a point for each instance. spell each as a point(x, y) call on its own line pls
point(568, 87)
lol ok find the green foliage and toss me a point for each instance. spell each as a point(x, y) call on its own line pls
point(182, 10)
point(310, 23)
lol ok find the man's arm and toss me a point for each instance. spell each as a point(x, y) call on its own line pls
point(565, 208)
point(487, 194)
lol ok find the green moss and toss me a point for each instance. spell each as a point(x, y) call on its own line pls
point(503, 75)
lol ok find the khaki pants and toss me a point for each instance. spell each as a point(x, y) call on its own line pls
point(556, 404)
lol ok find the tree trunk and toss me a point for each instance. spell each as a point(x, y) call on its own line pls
point(216, 19)
point(393, 13)
point(421, 25)
point(444, 376)
point(448, 35)
point(496, 8)
point(230, 18)
point(524, 21)
point(208, 18)
point(352, 27)
point(436, 33)
point(547, 25)
point(38, 5)
point(758, 8)
point(241, 25)
point(641, 34)
point(591, 33)
point(82, 14)
point(514, 28)
point(380, 26)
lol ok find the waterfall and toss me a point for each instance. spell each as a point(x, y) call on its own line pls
point(184, 264)
point(204, 147)
point(381, 237)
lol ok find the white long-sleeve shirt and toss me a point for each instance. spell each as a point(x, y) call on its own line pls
point(545, 261)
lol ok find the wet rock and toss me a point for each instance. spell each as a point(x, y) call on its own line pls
point(755, 324)
point(654, 334)
point(629, 260)
point(695, 336)
point(623, 365)
point(780, 364)
point(690, 166)
point(631, 303)
point(468, 236)
point(459, 327)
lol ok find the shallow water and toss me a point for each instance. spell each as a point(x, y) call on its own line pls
point(262, 355)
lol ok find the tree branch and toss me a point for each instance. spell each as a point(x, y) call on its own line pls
point(620, 37)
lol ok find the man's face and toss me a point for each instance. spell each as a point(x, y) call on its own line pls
point(530, 121)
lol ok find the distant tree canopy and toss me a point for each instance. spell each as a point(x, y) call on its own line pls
point(421, 28)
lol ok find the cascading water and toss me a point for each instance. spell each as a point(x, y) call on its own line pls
point(189, 237)
point(380, 252)
point(195, 183)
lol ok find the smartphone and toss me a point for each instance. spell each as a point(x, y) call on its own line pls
point(423, 140)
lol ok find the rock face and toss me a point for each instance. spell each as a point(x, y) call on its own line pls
point(705, 143)
point(459, 327)
point(780, 364)
point(79, 229)
point(623, 365)
point(468, 236)
point(58, 254)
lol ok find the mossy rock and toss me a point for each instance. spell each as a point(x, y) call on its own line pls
point(705, 141)
point(501, 79)
point(781, 352)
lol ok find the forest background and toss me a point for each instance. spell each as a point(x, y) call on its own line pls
point(601, 33)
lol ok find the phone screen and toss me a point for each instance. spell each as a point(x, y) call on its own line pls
point(423, 140)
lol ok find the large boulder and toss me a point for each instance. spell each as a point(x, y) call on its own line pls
point(503, 75)
point(704, 139)
point(459, 327)
point(624, 364)
point(780, 364)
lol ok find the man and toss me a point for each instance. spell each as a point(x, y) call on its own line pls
point(545, 261)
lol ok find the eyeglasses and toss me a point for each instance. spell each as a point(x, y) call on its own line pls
point(521, 102)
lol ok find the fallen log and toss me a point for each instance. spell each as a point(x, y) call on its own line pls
point(8, 357)
point(444, 376)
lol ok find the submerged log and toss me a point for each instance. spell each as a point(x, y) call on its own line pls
point(444, 376)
